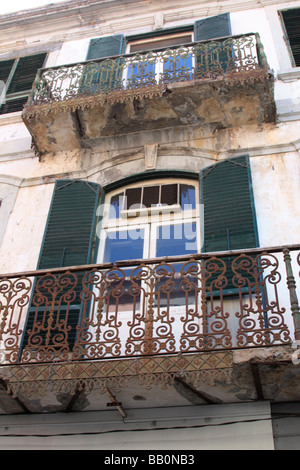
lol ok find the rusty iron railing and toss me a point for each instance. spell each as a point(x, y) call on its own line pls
point(85, 84)
point(206, 302)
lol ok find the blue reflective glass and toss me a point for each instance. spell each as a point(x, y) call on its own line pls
point(141, 72)
point(179, 67)
point(123, 245)
point(177, 239)
point(116, 204)
point(187, 197)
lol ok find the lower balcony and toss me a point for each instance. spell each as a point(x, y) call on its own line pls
point(224, 83)
point(212, 328)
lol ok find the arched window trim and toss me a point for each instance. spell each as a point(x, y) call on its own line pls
point(149, 175)
point(152, 220)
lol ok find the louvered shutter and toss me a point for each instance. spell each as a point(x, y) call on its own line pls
point(5, 69)
point(105, 47)
point(102, 76)
point(25, 73)
point(21, 74)
point(68, 241)
point(212, 28)
point(228, 205)
point(291, 20)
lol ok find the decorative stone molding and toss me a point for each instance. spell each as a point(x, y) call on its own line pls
point(150, 156)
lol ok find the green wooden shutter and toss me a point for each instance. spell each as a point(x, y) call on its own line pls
point(105, 47)
point(227, 198)
point(212, 28)
point(19, 74)
point(25, 73)
point(68, 241)
point(5, 69)
point(103, 76)
point(229, 220)
point(291, 19)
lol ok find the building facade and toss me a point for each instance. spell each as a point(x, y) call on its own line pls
point(149, 221)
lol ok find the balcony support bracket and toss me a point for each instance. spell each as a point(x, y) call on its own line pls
point(116, 403)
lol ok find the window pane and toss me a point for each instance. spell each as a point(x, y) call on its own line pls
point(116, 205)
point(151, 196)
point(177, 239)
point(161, 43)
point(123, 245)
point(172, 240)
point(187, 197)
point(133, 198)
point(169, 194)
point(141, 73)
point(178, 68)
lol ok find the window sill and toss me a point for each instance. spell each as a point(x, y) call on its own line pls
point(289, 75)
point(11, 118)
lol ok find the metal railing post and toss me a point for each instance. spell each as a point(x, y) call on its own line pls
point(291, 283)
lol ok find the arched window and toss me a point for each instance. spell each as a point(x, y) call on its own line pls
point(155, 218)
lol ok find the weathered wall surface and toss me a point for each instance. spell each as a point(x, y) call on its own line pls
point(113, 152)
point(275, 176)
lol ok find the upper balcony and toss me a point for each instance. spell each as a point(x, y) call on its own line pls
point(224, 82)
point(209, 327)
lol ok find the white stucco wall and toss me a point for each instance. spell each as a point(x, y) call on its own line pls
point(21, 243)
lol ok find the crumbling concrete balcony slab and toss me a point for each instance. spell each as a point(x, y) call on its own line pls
point(199, 345)
point(224, 83)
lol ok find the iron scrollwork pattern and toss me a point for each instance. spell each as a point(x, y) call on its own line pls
point(116, 79)
point(198, 304)
point(261, 318)
point(48, 326)
point(14, 299)
point(205, 321)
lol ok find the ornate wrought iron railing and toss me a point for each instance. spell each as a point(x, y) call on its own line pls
point(80, 85)
point(207, 302)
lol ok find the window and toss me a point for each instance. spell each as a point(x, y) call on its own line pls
point(151, 220)
point(291, 19)
point(18, 75)
point(148, 69)
point(145, 221)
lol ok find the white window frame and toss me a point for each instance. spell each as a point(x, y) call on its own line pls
point(149, 217)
